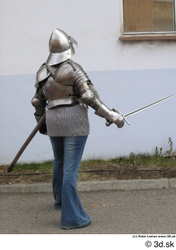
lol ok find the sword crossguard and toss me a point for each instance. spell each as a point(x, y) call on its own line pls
point(126, 120)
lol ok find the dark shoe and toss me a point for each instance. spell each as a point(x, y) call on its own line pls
point(58, 208)
point(78, 227)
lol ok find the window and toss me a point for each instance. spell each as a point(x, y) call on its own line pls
point(149, 18)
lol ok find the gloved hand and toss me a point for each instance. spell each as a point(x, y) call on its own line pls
point(43, 129)
point(115, 117)
point(112, 116)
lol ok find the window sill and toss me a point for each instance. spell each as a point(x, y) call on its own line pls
point(147, 37)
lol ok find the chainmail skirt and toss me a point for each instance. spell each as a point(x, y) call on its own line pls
point(67, 121)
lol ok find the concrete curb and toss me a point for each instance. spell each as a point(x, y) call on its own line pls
point(87, 186)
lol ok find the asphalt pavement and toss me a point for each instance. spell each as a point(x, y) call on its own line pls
point(113, 211)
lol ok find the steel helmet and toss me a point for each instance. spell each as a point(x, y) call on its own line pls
point(60, 47)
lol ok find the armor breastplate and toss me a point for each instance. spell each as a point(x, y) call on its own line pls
point(59, 88)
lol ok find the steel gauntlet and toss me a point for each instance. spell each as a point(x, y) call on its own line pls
point(110, 115)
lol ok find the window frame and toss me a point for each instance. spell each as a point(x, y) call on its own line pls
point(146, 35)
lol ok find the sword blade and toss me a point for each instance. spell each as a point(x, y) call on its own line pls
point(148, 106)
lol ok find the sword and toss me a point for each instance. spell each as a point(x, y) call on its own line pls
point(141, 109)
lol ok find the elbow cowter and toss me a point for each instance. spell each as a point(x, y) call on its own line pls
point(90, 99)
point(35, 102)
point(40, 109)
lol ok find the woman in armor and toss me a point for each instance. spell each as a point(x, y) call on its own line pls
point(64, 92)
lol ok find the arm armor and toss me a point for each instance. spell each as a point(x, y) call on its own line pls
point(89, 96)
point(87, 92)
point(39, 102)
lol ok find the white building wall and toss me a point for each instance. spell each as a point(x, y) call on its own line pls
point(127, 75)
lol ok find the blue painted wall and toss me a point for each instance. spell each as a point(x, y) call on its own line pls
point(125, 90)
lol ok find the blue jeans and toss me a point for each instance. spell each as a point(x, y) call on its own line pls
point(67, 158)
